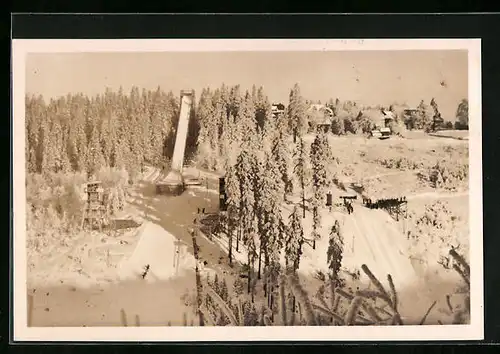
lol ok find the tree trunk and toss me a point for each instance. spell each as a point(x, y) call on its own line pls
point(238, 238)
point(266, 282)
point(230, 255)
point(303, 201)
point(249, 268)
point(260, 261)
point(266, 271)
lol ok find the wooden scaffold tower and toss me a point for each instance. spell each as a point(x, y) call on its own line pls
point(94, 212)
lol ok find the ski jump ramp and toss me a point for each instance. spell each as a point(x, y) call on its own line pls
point(187, 98)
point(173, 182)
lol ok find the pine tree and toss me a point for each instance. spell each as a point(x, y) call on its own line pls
point(215, 284)
point(234, 213)
point(35, 115)
point(235, 100)
point(281, 156)
point(294, 240)
point(251, 317)
point(338, 126)
point(297, 113)
point(262, 108)
point(437, 120)
point(270, 208)
point(246, 119)
point(247, 202)
point(424, 116)
point(301, 170)
point(335, 251)
point(217, 144)
point(321, 159)
point(224, 292)
point(462, 114)
point(78, 135)
point(257, 177)
point(206, 119)
point(95, 158)
point(250, 243)
point(238, 286)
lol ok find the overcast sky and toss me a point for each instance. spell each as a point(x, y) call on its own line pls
point(375, 77)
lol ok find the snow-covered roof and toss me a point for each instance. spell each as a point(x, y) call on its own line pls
point(324, 121)
point(388, 114)
point(320, 107)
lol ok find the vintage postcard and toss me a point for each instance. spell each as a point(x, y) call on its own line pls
point(325, 189)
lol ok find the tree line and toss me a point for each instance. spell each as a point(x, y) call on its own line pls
point(77, 133)
point(115, 129)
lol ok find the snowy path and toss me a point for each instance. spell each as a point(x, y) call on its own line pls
point(172, 218)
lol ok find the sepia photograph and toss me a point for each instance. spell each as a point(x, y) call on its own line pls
point(165, 188)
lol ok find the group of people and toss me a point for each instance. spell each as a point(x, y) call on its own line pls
point(384, 203)
point(348, 206)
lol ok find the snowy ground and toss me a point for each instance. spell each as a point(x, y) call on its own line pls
point(93, 293)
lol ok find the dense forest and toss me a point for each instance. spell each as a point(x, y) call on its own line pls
point(115, 129)
point(78, 133)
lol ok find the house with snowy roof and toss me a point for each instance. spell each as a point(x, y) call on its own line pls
point(320, 116)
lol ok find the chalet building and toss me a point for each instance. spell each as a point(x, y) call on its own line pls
point(277, 109)
point(320, 116)
point(382, 120)
point(408, 112)
point(410, 115)
point(386, 118)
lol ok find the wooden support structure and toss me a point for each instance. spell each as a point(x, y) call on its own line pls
point(94, 211)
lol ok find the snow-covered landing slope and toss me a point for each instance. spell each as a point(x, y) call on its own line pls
point(166, 256)
point(370, 237)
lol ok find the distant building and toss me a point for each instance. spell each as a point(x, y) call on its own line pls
point(382, 120)
point(277, 109)
point(327, 111)
point(387, 118)
point(320, 116)
point(410, 113)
